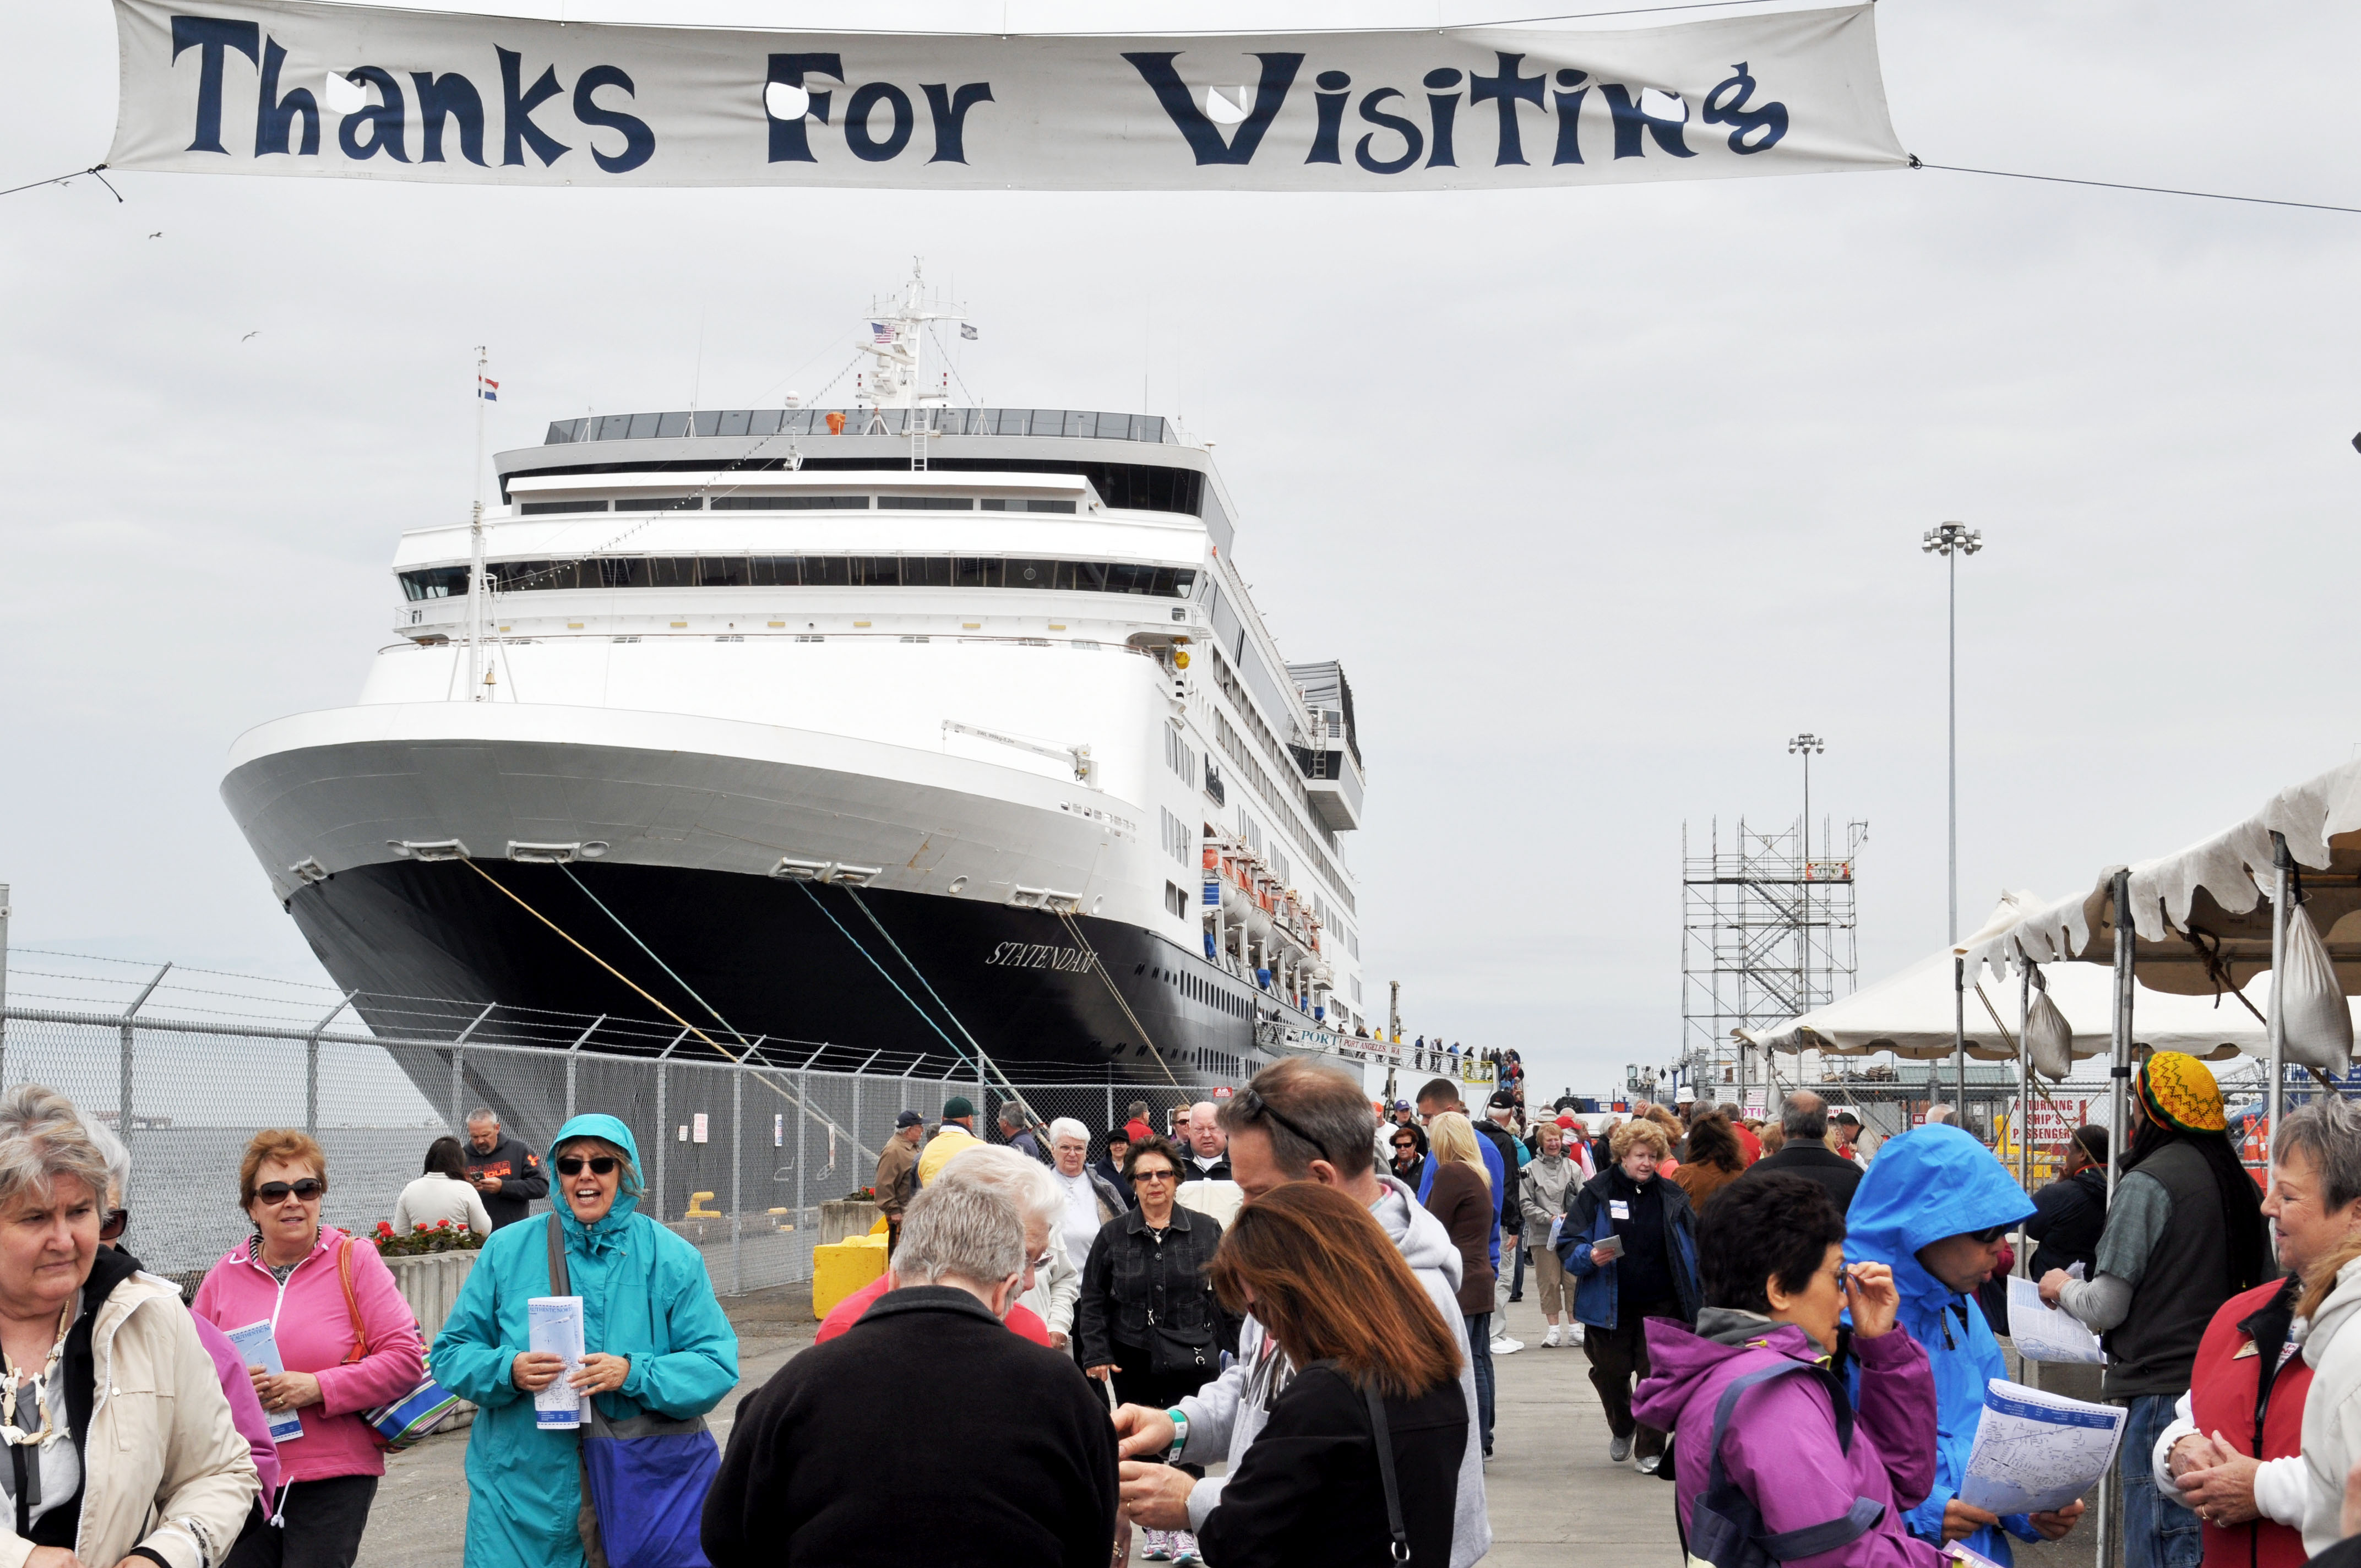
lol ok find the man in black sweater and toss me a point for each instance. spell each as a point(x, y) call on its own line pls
point(503, 1169)
point(1805, 1119)
point(827, 1455)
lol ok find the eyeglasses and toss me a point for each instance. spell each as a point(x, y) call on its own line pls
point(1253, 1104)
point(1041, 1264)
point(1989, 1233)
point(310, 1187)
point(1140, 1176)
point(112, 1227)
point(599, 1164)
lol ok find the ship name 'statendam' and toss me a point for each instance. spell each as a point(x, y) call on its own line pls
point(1040, 955)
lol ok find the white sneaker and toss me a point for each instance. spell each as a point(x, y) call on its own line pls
point(1549, 1340)
point(1184, 1547)
point(1158, 1548)
point(1503, 1346)
point(1573, 1333)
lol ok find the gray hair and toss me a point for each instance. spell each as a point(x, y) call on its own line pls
point(1941, 1114)
point(482, 1113)
point(1804, 1115)
point(1067, 1127)
point(630, 1183)
point(1026, 1183)
point(42, 1138)
point(117, 1157)
point(2329, 1132)
point(1013, 1113)
point(960, 1231)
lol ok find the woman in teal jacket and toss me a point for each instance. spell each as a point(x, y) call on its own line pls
point(656, 1337)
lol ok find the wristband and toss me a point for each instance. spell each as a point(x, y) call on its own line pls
point(1180, 1434)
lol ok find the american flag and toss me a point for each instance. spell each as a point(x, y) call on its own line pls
point(881, 332)
point(486, 389)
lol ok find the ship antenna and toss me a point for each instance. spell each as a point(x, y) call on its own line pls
point(477, 595)
point(897, 346)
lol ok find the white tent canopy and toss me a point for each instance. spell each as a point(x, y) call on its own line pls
point(1910, 1013)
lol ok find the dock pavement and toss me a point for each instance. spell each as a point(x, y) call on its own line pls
point(1556, 1498)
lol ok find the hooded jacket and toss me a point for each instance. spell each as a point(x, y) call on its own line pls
point(1227, 1414)
point(1930, 1183)
point(1781, 1447)
point(2331, 1409)
point(644, 1295)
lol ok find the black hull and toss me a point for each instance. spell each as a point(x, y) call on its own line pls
point(793, 962)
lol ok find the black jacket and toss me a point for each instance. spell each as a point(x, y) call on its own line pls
point(1107, 1171)
point(1505, 1144)
point(1308, 1493)
point(1218, 1171)
point(2069, 1217)
point(1026, 1472)
point(522, 1179)
point(1813, 1162)
point(1153, 1294)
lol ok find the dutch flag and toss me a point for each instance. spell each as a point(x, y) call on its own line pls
point(486, 389)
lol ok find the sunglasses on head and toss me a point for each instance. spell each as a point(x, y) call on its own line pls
point(599, 1164)
point(310, 1187)
point(112, 1226)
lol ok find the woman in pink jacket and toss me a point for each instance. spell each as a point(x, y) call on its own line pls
point(292, 1273)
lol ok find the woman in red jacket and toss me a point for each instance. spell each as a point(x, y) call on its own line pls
point(311, 1282)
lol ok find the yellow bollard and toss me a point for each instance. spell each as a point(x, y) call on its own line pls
point(698, 1210)
point(840, 1268)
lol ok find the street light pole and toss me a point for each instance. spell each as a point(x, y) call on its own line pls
point(1951, 541)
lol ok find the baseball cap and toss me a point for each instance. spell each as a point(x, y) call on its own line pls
point(1401, 1104)
point(1848, 1118)
point(1503, 1101)
point(909, 1119)
point(957, 1105)
point(1566, 1121)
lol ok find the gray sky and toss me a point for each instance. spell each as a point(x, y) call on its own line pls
point(1599, 495)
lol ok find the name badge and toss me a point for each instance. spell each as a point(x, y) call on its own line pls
point(1617, 1209)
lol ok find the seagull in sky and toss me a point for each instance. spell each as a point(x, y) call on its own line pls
point(256, 333)
point(158, 235)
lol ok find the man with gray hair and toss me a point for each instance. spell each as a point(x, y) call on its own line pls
point(1208, 1152)
point(1030, 1469)
point(1805, 1119)
point(503, 1169)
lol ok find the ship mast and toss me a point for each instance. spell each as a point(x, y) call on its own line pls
point(479, 593)
point(897, 379)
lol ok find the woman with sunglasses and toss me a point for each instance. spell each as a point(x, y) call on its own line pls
point(1148, 1316)
point(292, 1271)
point(656, 1340)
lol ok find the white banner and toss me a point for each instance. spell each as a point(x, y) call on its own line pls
point(353, 92)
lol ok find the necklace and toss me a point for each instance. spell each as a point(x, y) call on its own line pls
point(47, 1433)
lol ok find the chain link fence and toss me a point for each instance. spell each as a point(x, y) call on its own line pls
point(737, 1158)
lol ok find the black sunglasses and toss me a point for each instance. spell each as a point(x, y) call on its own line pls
point(310, 1187)
point(1989, 1233)
point(112, 1227)
point(599, 1164)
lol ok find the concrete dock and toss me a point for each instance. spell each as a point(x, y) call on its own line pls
point(1556, 1499)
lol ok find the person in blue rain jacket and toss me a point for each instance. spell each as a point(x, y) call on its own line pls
point(656, 1338)
point(1933, 1208)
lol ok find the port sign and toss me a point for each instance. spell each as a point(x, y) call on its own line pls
point(286, 87)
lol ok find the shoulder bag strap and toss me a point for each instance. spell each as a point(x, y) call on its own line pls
point(1385, 1441)
point(558, 1283)
point(352, 1301)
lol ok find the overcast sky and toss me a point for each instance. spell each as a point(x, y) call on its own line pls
point(1598, 494)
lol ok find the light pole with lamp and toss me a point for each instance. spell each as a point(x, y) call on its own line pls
point(1951, 541)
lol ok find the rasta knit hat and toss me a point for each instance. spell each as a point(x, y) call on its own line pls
point(2178, 1091)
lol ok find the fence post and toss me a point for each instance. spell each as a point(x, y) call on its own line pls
point(123, 1090)
point(4, 983)
point(664, 1141)
point(737, 1181)
point(803, 1118)
point(856, 1131)
point(312, 1067)
point(459, 1091)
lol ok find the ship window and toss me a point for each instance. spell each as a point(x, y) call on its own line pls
point(1030, 573)
point(721, 571)
point(1013, 421)
point(623, 572)
point(773, 571)
point(708, 421)
point(435, 583)
point(615, 427)
point(672, 424)
point(927, 572)
point(876, 571)
point(995, 503)
point(791, 504)
point(544, 509)
point(643, 426)
point(662, 503)
point(977, 572)
point(672, 571)
point(926, 503)
point(827, 571)
point(736, 570)
point(738, 421)
point(1115, 427)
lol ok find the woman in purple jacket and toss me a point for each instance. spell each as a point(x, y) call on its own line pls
point(1771, 1250)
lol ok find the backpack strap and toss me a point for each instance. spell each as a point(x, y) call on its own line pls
point(1385, 1441)
point(1818, 1538)
point(1856, 1521)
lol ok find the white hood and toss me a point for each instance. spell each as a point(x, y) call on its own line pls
point(1423, 1241)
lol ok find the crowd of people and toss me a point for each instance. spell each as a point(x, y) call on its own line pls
point(1270, 1337)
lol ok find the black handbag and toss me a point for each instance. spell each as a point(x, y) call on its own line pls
point(1724, 1529)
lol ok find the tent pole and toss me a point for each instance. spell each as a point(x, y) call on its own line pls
point(2281, 863)
point(1960, 1030)
point(2119, 1071)
point(2023, 1092)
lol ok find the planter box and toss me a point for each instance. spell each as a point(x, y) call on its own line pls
point(430, 1285)
point(841, 1219)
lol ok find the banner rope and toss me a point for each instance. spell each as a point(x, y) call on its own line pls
point(2150, 190)
point(93, 170)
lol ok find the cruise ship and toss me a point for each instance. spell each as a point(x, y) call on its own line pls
point(898, 727)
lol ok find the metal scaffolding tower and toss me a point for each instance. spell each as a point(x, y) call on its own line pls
point(1766, 934)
